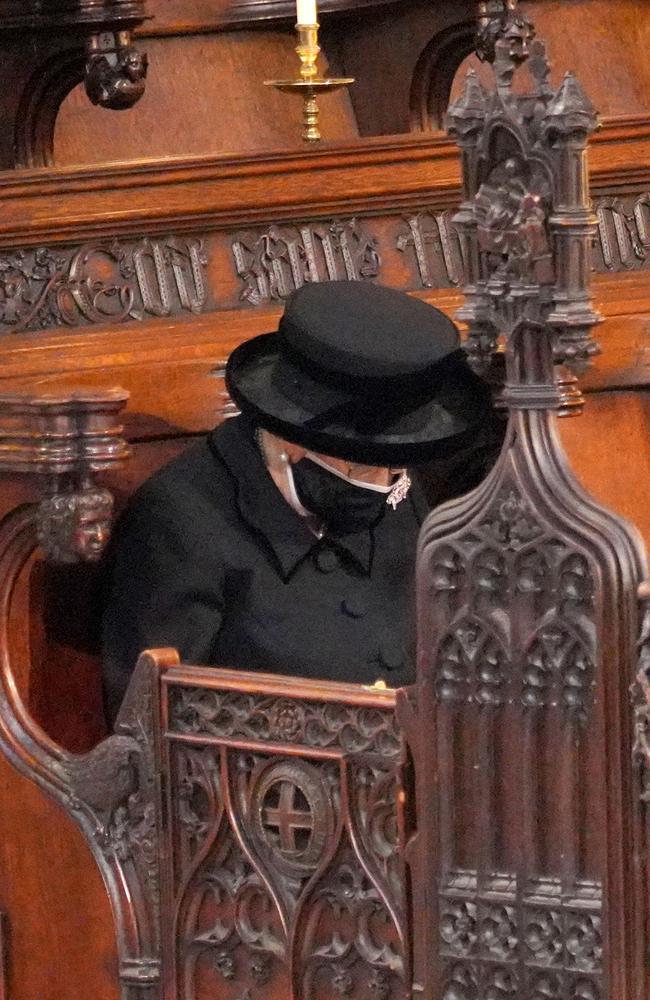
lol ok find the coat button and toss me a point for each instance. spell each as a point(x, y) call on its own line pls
point(326, 560)
point(391, 655)
point(355, 606)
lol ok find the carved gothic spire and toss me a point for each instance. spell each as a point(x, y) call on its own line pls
point(467, 113)
point(570, 111)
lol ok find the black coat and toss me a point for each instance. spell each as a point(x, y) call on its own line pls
point(209, 558)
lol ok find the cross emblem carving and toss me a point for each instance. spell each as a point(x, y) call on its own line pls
point(287, 818)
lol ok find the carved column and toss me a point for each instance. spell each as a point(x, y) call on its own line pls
point(529, 849)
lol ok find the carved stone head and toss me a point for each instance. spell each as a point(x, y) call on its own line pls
point(75, 527)
point(517, 37)
point(504, 35)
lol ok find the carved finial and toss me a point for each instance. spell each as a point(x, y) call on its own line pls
point(526, 223)
point(570, 110)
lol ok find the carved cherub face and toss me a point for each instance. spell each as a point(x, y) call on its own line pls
point(75, 527)
point(91, 532)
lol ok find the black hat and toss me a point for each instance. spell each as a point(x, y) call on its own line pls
point(360, 372)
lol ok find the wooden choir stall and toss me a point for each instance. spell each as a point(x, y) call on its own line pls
point(483, 834)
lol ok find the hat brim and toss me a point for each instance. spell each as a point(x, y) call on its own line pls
point(458, 404)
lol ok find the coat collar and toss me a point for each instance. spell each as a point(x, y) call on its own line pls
point(264, 508)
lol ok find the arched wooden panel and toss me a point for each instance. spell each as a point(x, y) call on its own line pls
point(205, 95)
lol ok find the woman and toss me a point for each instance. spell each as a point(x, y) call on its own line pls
point(285, 542)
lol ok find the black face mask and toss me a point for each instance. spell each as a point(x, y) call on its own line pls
point(343, 507)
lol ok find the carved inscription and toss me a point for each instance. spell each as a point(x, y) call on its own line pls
point(623, 231)
point(123, 281)
point(434, 240)
point(273, 263)
point(101, 283)
point(622, 241)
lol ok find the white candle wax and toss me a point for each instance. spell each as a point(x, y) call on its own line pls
point(306, 10)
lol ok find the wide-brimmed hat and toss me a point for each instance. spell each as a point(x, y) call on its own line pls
point(360, 372)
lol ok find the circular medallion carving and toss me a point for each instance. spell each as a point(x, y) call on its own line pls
point(292, 815)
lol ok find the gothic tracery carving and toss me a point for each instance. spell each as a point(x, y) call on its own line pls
point(287, 867)
point(641, 694)
point(230, 714)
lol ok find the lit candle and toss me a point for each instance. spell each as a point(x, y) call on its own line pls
point(306, 11)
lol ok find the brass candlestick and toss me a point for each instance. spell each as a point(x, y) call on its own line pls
point(310, 83)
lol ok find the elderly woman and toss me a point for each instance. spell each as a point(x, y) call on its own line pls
point(285, 542)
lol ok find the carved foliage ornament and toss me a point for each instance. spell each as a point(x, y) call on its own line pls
point(101, 283)
point(230, 714)
point(111, 791)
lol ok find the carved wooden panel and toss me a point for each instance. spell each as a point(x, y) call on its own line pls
point(517, 687)
point(282, 825)
point(101, 283)
point(4, 955)
point(127, 280)
point(529, 847)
